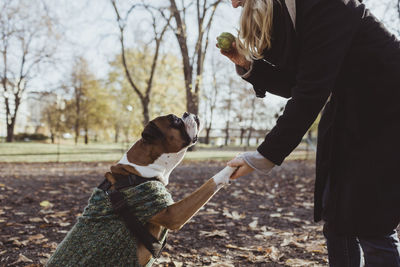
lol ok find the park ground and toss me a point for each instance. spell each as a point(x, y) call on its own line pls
point(259, 220)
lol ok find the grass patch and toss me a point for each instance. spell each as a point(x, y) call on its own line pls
point(42, 152)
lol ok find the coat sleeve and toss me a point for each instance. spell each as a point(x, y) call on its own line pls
point(325, 32)
point(278, 82)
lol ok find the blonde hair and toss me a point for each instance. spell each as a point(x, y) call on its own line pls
point(255, 30)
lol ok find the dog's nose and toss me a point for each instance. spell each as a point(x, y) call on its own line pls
point(186, 114)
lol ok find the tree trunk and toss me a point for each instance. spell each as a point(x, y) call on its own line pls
point(76, 133)
point(227, 133)
point(192, 101)
point(52, 137)
point(146, 116)
point(116, 135)
point(242, 131)
point(10, 131)
point(249, 136)
point(86, 136)
point(208, 130)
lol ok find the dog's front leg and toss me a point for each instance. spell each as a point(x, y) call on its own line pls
point(176, 215)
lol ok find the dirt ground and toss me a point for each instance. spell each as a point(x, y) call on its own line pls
point(259, 220)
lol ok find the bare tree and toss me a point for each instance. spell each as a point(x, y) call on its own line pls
point(26, 43)
point(143, 93)
point(193, 62)
point(53, 116)
point(228, 108)
point(211, 97)
point(251, 122)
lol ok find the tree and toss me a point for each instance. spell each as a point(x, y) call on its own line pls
point(193, 63)
point(211, 95)
point(88, 105)
point(167, 94)
point(53, 117)
point(95, 109)
point(228, 108)
point(27, 41)
point(144, 91)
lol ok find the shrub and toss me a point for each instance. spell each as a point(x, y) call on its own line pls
point(29, 137)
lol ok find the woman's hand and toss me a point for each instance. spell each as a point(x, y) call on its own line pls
point(243, 167)
point(236, 57)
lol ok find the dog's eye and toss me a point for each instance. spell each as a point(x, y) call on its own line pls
point(177, 121)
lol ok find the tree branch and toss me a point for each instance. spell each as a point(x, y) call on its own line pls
point(121, 26)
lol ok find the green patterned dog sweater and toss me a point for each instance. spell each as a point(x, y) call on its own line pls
point(100, 237)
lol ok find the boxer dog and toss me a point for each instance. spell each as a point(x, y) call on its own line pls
point(162, 147)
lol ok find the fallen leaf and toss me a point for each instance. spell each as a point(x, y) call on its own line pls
point(300, 263)
point(177, 263)
point(234, 215)
point(22, 258)
point(46, 204)
point(220, 233)
point(275, 215)
point(273, 253)
point(253, 224)
point(290, 242)
point(36, 219)
point(35, 237)
point(238, 248)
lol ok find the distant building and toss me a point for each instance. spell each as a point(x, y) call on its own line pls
point(36, 102)
point(29, 116)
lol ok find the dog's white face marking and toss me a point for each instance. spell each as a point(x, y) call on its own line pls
point(191, 126)
point(163, 166)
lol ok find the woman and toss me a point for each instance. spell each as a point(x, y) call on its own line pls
point(331, 53)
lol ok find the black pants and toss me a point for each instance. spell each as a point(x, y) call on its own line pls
point(355, 251)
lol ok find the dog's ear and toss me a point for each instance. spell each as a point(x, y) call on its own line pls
point(151, 132)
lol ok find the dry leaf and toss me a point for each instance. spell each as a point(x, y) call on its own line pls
point(36, 219)
point(177, 263)
point(273, 253)
point(36, 237)
point(46, 204)
point(300, 263)
point(238, 248)
point(220, 233)
point(275, 215)
point(22, 258)
point(253, 224)
point(234, 215)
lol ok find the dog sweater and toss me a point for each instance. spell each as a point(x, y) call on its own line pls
point(100, 237)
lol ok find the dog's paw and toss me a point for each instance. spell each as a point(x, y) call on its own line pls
point(222, 177)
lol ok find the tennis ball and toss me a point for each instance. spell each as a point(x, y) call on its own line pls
point(225, 41)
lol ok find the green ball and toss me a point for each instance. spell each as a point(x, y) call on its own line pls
point(225, 41)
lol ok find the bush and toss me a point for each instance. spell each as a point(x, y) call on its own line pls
point(29, 137)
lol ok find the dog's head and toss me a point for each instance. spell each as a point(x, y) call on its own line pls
point(171, 132)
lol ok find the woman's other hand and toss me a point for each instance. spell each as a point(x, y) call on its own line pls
point(242, 167)
point(236, 57)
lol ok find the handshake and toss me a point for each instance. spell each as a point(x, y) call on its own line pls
point(242, 164)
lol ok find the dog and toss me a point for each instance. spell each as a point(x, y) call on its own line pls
point(132, 200)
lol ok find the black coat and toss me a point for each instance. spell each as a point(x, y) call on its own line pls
point(339, 50)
